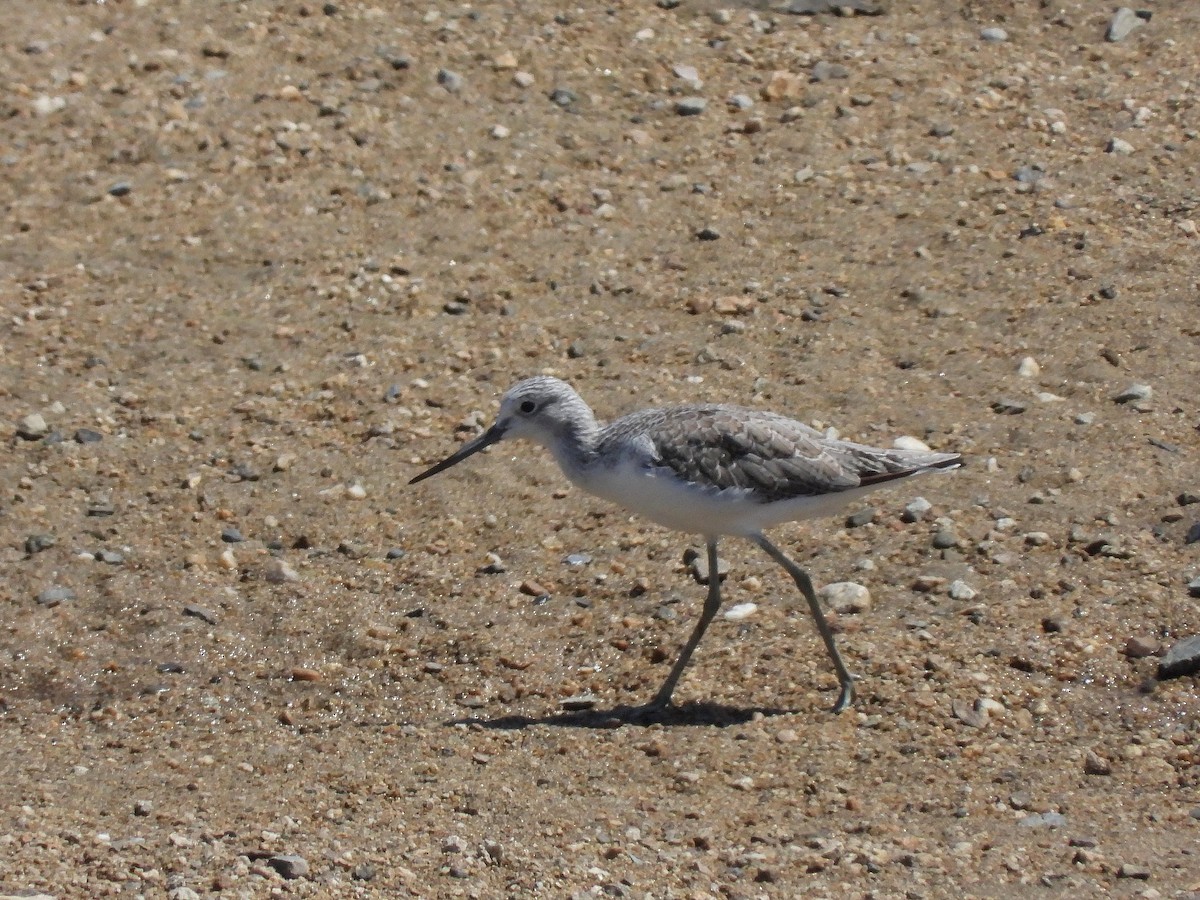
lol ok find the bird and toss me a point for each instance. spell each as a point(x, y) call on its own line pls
point(713, 469)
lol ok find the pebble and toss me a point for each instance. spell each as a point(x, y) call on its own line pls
point(1133, 393)
point(908, 442)
point(826, 71)
point(33, 427)
point(100, 508)
point(1006, 406)
point(1182, 658)
point(1095, 764)
point(916, 510)
point(200, 612)
point(450, 80)
point(87, 436)
point(1029, 368)
point(289, 865)
point(846, 597)
point(277, 571)
point(111, 557)
point(861, 518)
point(1193, 587)
point(231, 535)
point(532, 589)
point(54, 595)
point(563, 97)
point(577, 559)
point(740, 611)
point(697, 562)
point(120, 189)
point(396, 553)
point(1129, 870)
point(691, 106)
point(945, 539)
point(1119, 146)
point(960, 590)
point(36, 543)
point(994, 35)
point(1123, 22)
point(578, 703)
point(1139, 646)
point(969, 714)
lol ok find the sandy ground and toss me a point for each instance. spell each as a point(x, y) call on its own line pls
point(260, 263)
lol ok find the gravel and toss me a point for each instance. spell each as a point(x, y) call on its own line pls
point(256, 332)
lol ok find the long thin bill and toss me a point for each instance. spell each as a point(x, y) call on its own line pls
point(489, 437)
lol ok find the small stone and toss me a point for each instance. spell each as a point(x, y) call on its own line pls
point(1006, 406)
point(87, 436)
point(289, 865)
point(1118, 146)
point(1182, 658)
point(1095, 764)
point(500, 132)
point(782, 85)
point(54, 595)
point(36, 543)
point(1044, 820)
point(861, 518)
point(523, 79)
point(994, 35)
point(969, 714)
point(301, 673)
point(396, 553)
point(945, 539)
point(1129, 870)
point(787, 736)
point(823, 70)
point(960, 590)
point(356, 491)
point(110, 557)
point(200, 612)
point(142, 807)
point(450, 80)
point(691, 106)
point(916, 510)
point(1029, 368)
point(563, 97)
point(740, 612)
point(33, 427)
point(1139, 646)
point(277, 571)
point(708, 234)
point(100, 508)
point(1194, 587)
point(1193, 534)
point(697, 561)
point(1037, 539)
point(1134, 393)
point(231, 535)
point(846, 597)
point(578, 703)
point(532, 589)
point(1124, 21)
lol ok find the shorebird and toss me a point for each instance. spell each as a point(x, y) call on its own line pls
point(711, 469)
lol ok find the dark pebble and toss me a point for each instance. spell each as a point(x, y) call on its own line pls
point(100, 509)
point(200, 612)
point(1187, 498)
point(1194, 587)
point(396, 553)
point(111, 557)
point(172, 668)
point(289, 865)
point(563, 97)
point(120, 189)
point(231, 535)
point(36, 543)
point(1183, 658)
point(708, 234)
point(87, 436)
point(1193, 534)
point(945, 540)
point(861, 518)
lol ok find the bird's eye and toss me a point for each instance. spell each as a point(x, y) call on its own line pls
point(528, 406)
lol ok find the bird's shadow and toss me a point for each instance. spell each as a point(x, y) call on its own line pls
point(713, 715)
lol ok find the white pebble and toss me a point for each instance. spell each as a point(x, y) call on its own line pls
point(960, 590)
point(740, 611)
point(908, 442)
point(356, 491)
point(846, 597)
point(1029, 368)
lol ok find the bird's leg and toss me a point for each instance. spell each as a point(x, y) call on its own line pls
point(711, 604)
point(845, 679)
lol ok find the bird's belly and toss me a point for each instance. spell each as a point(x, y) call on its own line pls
point(661, 498)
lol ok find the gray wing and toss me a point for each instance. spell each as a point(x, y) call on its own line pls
point(777, 458)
